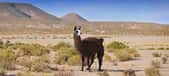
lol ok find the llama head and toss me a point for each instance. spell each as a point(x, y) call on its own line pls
point(77, 30)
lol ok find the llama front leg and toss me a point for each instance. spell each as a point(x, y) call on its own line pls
point(82, 67)
point(100, 59)
point(100, 64)
point(88, 63)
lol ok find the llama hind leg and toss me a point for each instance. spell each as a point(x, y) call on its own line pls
point(92, 60)
point(88, 63)
point(82, 67)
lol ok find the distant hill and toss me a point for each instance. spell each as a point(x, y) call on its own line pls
point(21, 18)
point(74, 18)
point(20, 11)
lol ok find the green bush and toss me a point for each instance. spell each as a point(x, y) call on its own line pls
point(122, 55)
point(60, 46)
point(133, 52)
point(7, 59)
point(2, 72)
point(116, 45)
point(107, 58)
point(24, 61)
point(66, 54)
point(38, 66)
point(30, 49)
point(152, 71)
point(74, 60)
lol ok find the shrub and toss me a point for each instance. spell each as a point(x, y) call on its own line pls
point(115, 62)
point(61, 45)
point(107, 57)
point(74, 60)
point(116, 45)
point(167, 48)
point(156, 54)
point(1, 44)
point(30, 49)
point(67, 55)
point(2, 72)
point(164, 59)
point(122, 55)
point(155, 63)
point(152, 71)
point(150, 48)
point(7, 59)
point(24, 61)
point(102, 73)
point(129, 72)
point(133, 52)
point(38, 66)
point(161, 48)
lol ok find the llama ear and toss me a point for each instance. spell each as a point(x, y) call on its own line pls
point(75, 27)
point(79, 27)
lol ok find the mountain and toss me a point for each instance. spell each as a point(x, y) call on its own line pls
point(74, 18)
point(21, 18)
point(17, 12)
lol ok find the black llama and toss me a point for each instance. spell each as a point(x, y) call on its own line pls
point(88, 48)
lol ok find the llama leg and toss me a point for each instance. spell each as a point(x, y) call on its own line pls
point(100, 64)
point(82, 63)
point(92, 60)
point(88, 63)
point(100, 59)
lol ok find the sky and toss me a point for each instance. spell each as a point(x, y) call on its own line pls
point(155, 11)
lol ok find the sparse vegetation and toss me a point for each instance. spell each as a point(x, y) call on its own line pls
point(164, 59)
point(61, 46)
point(152, 71)
point(161, 48)
point(122, 55)
point(30, 49)
point(66, 54)
point(107, 57)
point(156, 54)
point(7, 59)
point(156, 63)
point(2, 72)
point(122, 51)
point(116, 45)
point(150, 48)
point(129, 72)
point(38, 66)
point(24, 74)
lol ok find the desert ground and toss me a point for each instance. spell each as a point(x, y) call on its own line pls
point(143, 44)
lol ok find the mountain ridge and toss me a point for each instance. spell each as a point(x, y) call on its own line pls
point(26, 18)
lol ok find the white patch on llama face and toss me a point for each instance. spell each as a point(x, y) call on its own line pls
point(78, 32)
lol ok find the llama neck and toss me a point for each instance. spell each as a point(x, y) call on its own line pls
point(77, 41)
